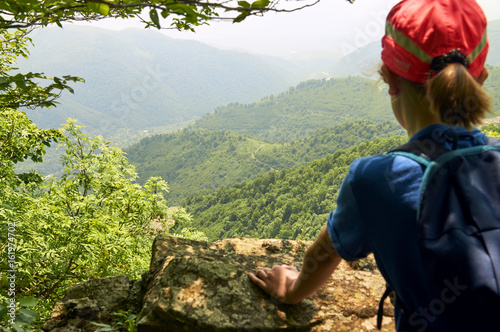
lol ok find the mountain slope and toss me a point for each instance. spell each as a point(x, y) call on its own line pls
point(139, 79)
point(303, 109)
point(290, 204)
point(191, 161)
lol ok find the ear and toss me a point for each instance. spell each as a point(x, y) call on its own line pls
point(394, 87)
point(391, 79)
point(483, 76)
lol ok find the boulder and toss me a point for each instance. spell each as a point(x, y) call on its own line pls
point(94, 301)
point(198, 286)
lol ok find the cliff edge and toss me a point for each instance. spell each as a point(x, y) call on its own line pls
point(199, 286)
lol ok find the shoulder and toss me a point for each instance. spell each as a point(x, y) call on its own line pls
point(380, 164)
point(385, 175)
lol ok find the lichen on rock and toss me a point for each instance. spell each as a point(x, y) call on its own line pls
point(198, 286)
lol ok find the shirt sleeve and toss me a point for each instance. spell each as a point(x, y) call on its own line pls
point(345, 225)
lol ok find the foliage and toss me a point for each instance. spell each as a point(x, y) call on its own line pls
point(94, 221)
point(290, 204)
point(24, 90)
point(325, 141)
point(492, 130)
point(184, 14)
point(17, 315)
point(20, 138)
point(194, 160)
point(125, 321)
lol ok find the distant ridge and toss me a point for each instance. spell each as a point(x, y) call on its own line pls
point(143, 80)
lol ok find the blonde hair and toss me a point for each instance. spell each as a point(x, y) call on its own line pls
point(452, 93)
point(457, 97)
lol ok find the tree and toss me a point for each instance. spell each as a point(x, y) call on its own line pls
point(94, 221)
point(20, 138)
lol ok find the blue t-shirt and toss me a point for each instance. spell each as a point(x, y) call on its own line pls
point(377, 211)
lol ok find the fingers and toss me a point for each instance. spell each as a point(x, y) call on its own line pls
point(264, 276)
point(264, 272)
point(256, 280)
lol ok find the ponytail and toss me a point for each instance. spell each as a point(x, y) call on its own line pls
point(457, 97)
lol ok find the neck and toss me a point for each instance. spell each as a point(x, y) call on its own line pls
point(413, 115)
point(416, 123)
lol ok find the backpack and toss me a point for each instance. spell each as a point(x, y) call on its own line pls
point(459, 237)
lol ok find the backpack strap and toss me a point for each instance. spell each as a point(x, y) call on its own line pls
point(389, 292)
point(426, 148)
point(380, 312)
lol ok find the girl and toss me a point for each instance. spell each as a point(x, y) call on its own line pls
point(433, 55)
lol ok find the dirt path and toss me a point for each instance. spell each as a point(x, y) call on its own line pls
point(255, 152)
point(253, 157)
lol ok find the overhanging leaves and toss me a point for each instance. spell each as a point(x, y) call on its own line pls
point(189, 13)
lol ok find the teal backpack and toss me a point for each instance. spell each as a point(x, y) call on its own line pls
point(459, 234)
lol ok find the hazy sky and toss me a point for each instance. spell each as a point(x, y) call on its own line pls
point(332, 25)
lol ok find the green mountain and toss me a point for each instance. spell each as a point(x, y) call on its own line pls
point(290, 204)
point(194, 160)
point(140, 80)
point(316, 104)
point(303, 109)
point(492, 86)
point(494, 37)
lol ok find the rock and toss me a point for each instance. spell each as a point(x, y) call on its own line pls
point(94, 301)
point(197, 286)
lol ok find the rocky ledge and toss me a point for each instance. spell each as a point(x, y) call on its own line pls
point(198, 286)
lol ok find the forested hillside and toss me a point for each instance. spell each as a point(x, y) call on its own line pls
point(303, 109)
point(290, 204)
point(492, 86)
point(316, 104)
point(326, 141)
point(151, 82)
point(494, 37)
point(193, 160)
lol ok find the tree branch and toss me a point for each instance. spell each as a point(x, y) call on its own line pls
point(199, 11)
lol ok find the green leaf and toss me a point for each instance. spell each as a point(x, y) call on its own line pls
point(3, 311)
point(240, 17)
point(25, 316)
point(243, 4)
point(153, 14)
point(28, 301)
point(103, 327)
point(100, 8)
point(260, 3)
